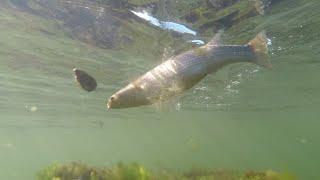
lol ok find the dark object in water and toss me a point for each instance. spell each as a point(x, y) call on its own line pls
point(86, 81)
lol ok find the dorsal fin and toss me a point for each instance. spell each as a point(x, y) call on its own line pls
point(216, 40)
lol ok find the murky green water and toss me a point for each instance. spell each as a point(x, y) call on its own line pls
point(242, 118)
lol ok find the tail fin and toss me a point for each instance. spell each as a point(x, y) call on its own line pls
point(260, 48)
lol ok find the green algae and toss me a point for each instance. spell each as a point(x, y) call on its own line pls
point(135, 171)
point(141, 2)
point(210, 20)
point(76, 170)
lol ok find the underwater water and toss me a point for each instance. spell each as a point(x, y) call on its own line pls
point(244, 117)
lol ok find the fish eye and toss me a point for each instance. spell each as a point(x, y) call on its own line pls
point(112, 98)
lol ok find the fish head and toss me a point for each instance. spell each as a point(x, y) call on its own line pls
point(129, 96)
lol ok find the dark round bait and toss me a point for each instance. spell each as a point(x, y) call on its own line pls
point(86, 81)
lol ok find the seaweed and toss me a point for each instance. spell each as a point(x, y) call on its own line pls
point(135, 171)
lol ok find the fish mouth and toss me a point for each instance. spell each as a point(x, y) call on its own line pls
point(109, 104)
point(112, 105)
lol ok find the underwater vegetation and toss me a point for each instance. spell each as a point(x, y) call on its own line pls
point(135, 171)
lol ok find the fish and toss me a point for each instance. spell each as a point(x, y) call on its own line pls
point(181, 72)
point(86, 81)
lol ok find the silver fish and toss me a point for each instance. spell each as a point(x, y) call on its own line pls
point(183, 71)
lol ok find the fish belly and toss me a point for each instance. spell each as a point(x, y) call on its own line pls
point(168, 79)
